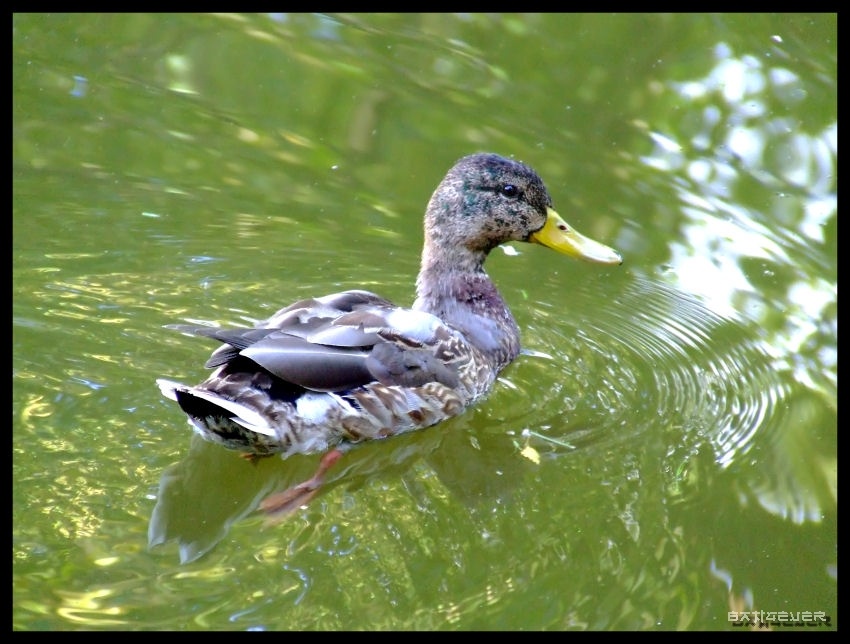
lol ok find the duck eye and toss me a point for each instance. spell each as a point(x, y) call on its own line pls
point(510, 190)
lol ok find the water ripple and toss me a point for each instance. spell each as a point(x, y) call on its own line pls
point(656, 349)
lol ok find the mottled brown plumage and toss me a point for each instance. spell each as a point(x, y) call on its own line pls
point(351, 366)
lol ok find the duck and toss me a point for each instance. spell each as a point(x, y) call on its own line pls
point(327, 373)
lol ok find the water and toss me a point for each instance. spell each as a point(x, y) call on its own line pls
point(664, 454)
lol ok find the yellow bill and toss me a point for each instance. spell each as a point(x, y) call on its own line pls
point(559, 236)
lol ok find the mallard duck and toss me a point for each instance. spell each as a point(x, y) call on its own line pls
point(325, 373)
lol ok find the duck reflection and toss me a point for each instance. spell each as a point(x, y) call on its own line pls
point(210, 489)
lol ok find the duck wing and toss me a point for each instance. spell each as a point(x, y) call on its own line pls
point(338, 342)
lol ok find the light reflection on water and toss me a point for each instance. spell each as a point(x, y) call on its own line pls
point(727, 146)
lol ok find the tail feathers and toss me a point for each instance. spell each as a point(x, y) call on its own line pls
point(199, 403)
point(169, 388)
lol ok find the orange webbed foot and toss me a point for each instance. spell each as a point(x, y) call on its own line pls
point(281, 504)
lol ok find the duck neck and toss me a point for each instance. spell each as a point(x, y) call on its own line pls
point(461, 294)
